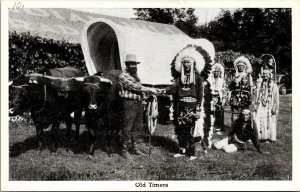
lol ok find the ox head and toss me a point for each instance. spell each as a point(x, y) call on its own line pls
point(94, 89)
point(19, 94)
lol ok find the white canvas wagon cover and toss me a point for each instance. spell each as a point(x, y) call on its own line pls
point(106, 41)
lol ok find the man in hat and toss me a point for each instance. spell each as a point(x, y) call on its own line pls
point(244, 129)
point(131, 91)
point(240, 95)
point(191, 104)
point(218, 96)
point(267, 101)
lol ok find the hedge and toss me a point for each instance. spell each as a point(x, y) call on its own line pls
point(28, 54)
point(227, 58)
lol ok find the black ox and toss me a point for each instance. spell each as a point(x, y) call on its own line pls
point(102, 104)
point(49, 101)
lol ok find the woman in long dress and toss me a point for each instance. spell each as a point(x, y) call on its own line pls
point(267, 102)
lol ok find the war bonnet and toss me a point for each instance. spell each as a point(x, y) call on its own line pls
point(243, 60)
point(218, 66)
point(202, 54)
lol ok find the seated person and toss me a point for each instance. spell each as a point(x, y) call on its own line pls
point(244, 128)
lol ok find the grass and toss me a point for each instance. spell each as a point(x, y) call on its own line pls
point(26, 163)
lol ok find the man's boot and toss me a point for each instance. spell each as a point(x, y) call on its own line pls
point(180, 153)
point(125, 153)
point(135, 149)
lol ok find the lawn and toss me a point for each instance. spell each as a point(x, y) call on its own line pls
point(26, 163)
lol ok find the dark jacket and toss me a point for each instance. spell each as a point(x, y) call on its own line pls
point(246, 132)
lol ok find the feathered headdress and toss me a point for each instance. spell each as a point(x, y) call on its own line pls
point(201, 56)
point(265, 64)
point(220, 67)
point(243, 60)
point(190, 52)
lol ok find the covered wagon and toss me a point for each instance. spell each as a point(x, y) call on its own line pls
point(106, 41)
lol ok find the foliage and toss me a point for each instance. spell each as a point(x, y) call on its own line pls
point(250, 31)
point(227, 58)
point(253, 31)
point(28, 54)
point(184, 19)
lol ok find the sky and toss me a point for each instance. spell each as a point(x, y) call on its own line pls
point(204, 14)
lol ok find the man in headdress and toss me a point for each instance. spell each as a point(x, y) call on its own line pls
point(241, 87)
point(244, 129)
point(267, 101)
point(192, 98)
point(218, 100)
point(131, 91)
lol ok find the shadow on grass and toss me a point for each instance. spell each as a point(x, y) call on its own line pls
point(165, 142)
point(83, 146)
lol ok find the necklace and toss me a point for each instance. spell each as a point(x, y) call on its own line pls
point(264, 93)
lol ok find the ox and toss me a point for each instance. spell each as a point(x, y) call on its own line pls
point(47, 104)
point(102, 102)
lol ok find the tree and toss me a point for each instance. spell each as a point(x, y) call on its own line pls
point(253, 31)
point(184, 19)
point(228, 57)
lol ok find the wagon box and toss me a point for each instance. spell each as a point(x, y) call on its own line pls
point(106, 41)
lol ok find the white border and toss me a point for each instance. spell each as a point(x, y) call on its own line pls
point(130, 185)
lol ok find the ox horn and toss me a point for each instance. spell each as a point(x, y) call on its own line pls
point(33, 81)
point(78, 78)
point(102, 79)
point(33, 77)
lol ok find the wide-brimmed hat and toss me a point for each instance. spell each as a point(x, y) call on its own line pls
point(131, 58)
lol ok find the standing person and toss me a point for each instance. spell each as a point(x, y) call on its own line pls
point(267, 101)
point(240, 95)
point(192, 99)
point(131, 91)
point(218, 96)
point(244, 129)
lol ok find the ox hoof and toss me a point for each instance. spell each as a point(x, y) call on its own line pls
point(91, 153)
point(53, 149)
point(110, 155)
point(38, 151)
point(192, 158)
point(91, 157)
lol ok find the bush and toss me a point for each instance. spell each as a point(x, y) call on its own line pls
point(28, 54)
point(227, 58)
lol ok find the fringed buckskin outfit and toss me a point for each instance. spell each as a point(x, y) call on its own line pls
point(267, 105)
point(241, 88)
point(218, 96)
point(192, 98)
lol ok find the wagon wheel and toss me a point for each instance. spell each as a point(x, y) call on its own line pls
point(152, 114)
point(275, 72)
